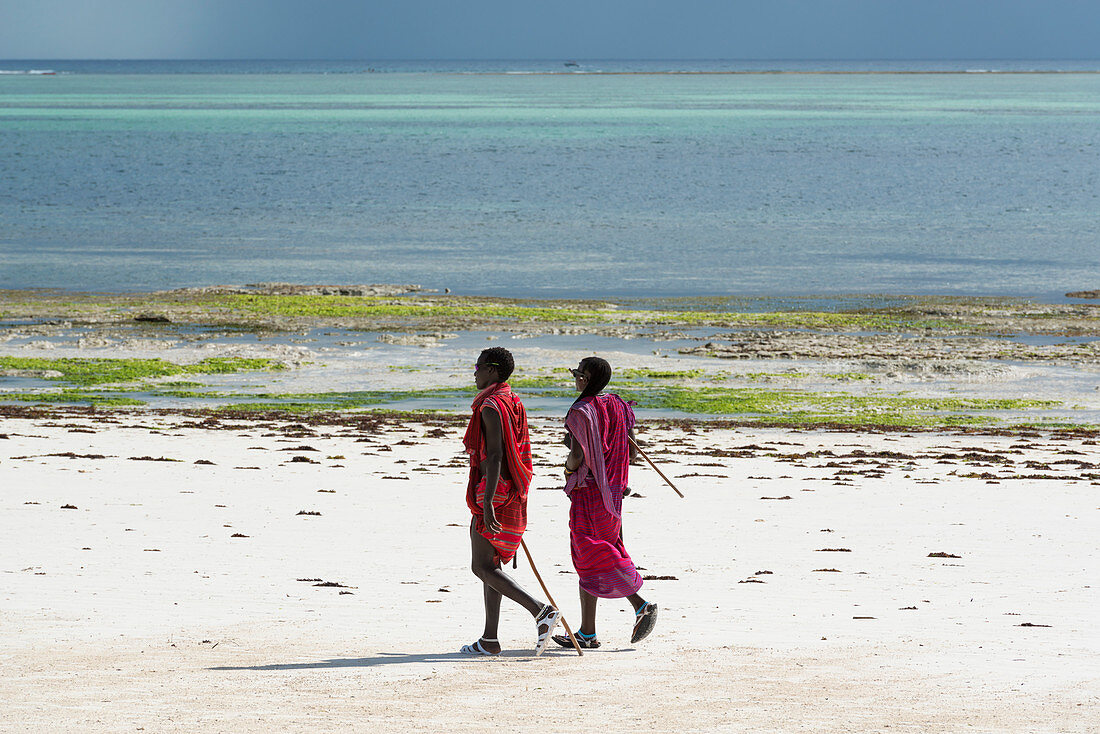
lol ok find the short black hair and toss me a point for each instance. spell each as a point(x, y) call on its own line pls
point(500, 358)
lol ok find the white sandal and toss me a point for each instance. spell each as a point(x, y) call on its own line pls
point(548, 618)
point(478, 649)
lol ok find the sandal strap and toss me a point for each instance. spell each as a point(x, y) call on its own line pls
point(547, 618)
point(478, 649)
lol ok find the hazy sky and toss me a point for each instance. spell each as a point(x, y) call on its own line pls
point(550, 29)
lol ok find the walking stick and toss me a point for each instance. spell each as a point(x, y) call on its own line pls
point(642, 454)
point(548, 597)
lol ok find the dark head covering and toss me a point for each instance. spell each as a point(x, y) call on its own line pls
point(599, 374)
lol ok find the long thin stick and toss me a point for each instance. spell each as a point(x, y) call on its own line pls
point(550, 598)
point(655, 468)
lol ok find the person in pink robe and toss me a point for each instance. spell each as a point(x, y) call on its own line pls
point(600, 434)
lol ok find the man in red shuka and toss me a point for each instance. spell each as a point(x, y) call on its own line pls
point(500, 474)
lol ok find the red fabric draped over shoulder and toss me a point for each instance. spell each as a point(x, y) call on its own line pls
point(510, 500)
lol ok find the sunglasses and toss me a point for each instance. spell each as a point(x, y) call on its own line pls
point(578, 374)
point(479, 365)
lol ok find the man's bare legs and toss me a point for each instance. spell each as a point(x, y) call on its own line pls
point(497, 584)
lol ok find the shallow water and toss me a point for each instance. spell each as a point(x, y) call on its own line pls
point(552, 185)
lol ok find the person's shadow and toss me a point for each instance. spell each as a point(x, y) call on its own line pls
point(396, 658)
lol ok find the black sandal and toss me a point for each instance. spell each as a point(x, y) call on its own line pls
point(645, 619)
point(583, 641)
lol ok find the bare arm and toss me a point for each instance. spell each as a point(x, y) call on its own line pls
point(633, 444)
point(490, 468)
point(576, 455)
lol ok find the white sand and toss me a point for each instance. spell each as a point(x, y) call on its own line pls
point(139, 611)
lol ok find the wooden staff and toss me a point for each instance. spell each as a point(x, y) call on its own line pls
point(550, 598)
point(655, 468)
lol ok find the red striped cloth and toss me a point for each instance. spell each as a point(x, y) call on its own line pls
point(510, 499)
point(604, 568)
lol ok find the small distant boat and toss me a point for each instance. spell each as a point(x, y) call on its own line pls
point(571, 63)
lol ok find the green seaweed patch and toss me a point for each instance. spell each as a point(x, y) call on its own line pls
point(1048, 424)
point(336, 401)
point(544, 381)
point(317, 406)
point(188, 394)
point(463, 311)
point(716, 400)
point(645, 373)
point(456, 310)
point(316, 409)
point(72, 397)
point(230, 365)
point(802, 407)
point(90, 371)
point(849, 376)
point(768, 376)
point(287, 407)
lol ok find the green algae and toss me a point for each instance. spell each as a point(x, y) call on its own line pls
point(790, 408)
point(231, 365)
point(462, 311)
point(645, 373)
point(263, 312)
point(766, 376)
point(340, 400)
point(189, 394)
point(73, 397)
point(457, 310)
point(544, 381)
point(92, 371)
point(793, 406)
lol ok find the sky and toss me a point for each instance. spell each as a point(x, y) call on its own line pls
point(549, 29)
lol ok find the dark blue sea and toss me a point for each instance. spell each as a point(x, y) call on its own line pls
point(593, 179)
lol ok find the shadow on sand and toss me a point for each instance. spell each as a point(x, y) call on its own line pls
point(396, 658)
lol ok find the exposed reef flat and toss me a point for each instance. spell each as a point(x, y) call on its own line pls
point(382, 307)
point(853, 360)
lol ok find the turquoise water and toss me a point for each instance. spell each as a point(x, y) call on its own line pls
point(551, 184)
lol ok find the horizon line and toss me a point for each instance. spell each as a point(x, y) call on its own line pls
point(550, 59)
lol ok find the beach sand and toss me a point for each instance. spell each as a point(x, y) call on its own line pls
point(803, 594)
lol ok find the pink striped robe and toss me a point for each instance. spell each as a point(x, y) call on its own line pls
point(595, 492)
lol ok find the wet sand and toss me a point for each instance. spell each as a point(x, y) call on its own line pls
point(161, 573)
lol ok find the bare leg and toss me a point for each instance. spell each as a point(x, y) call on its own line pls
point(492, 615)
point(486, 568)
point(636, 601)
point(588, 613)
